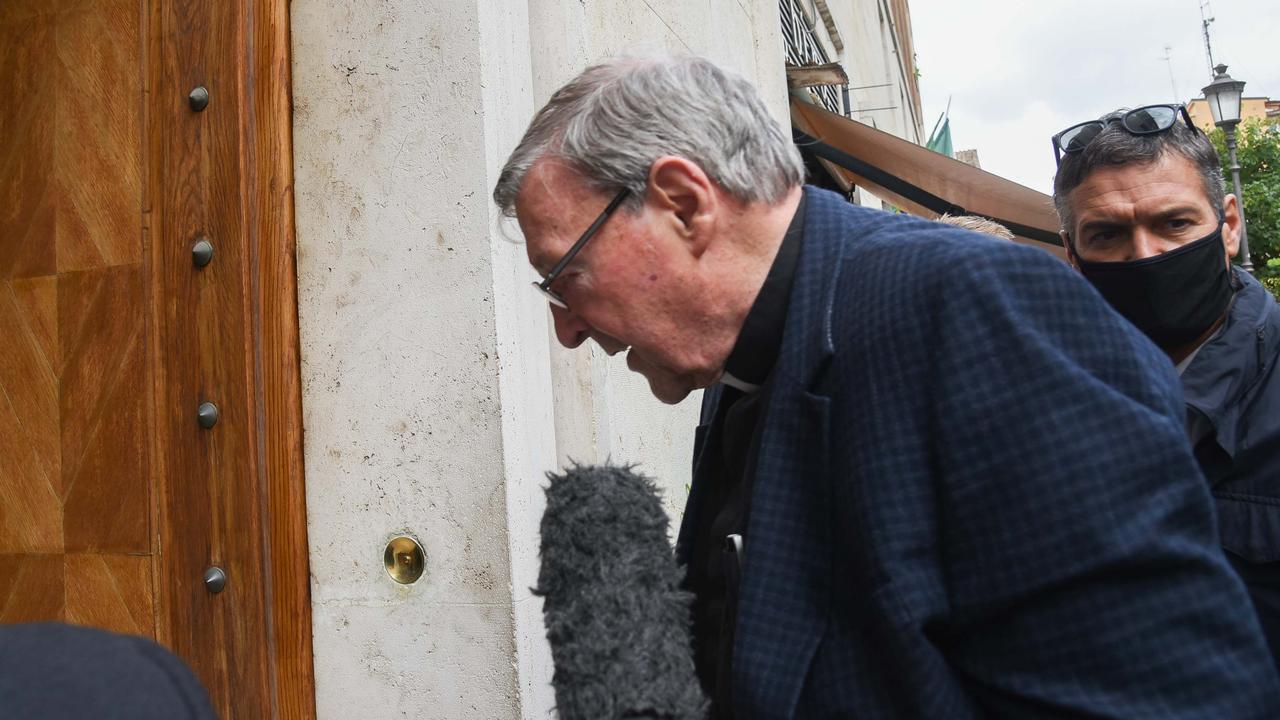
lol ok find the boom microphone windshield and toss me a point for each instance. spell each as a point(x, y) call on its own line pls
point(617, 620)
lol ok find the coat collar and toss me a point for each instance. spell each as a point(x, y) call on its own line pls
point(807, 346)
point(1227, 367)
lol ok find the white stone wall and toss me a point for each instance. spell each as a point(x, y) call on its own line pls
point(434, 395)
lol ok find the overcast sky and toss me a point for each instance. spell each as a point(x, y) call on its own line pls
point(1019, 71)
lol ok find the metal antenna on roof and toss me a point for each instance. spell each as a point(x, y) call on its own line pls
point(1168, 59)
point(1204, 24)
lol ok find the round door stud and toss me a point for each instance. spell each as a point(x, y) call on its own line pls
point(215, 580)
point(208, 415)
point(404, 560)
point(202, 252)
point(199, 98)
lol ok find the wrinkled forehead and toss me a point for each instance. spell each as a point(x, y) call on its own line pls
point(1132, 188)
point(553, 206)
point(551, 187)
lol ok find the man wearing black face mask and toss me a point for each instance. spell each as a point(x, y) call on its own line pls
point(1145, 219)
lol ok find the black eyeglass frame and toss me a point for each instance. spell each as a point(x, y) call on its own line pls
point(544, 286)
point(1059, 150)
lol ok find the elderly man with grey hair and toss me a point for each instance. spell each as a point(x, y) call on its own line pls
point(1146, 220)
point(937, 477)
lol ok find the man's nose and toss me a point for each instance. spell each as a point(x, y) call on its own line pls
point(1147, 244)
point(571, 331)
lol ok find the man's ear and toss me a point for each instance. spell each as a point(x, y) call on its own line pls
point(1071, 251)
point(1231, 226)
point(682, 189)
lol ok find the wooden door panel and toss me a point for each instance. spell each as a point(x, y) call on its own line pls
point(26, 178)
point(32, 588)
point(110, 591)
point(200, 191)
point(30, 484)
point(105, 398)
point(28, 420)
point(74, 380)
point(30, 509)
point(97, 142)
point(37, 301)
point(113, 499)
point(279, 387)
point(13, 10)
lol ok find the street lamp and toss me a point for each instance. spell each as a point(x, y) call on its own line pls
point(1223, 96)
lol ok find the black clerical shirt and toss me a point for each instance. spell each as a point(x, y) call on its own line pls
point(732, 443)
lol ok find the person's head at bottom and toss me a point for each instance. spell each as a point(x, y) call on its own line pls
point(977, 223)
point(55, 671)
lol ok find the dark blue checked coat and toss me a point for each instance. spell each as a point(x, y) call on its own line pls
point(974, 498)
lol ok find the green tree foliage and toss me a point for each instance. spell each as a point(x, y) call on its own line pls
point(1258, 151)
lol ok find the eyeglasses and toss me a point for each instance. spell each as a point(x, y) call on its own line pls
point(1147, 120)
point(544, 287)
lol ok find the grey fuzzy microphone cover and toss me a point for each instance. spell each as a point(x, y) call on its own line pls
point(617, 620)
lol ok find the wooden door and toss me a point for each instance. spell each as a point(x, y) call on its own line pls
point(76, 489)
point(114, 499)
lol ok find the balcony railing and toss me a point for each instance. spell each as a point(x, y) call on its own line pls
point(803, 49)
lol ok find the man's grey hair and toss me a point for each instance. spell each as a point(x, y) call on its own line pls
point(615, 119)
point(1116, 146)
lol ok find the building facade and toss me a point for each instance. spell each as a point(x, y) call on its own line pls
point(435, 396)
point(268, 344)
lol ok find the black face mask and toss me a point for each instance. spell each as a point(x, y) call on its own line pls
point(1173, 297)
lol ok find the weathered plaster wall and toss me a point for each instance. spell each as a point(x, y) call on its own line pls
point(402, 405)
point(434, 399)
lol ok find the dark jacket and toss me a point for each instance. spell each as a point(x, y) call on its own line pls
point(1233, 384)
point(973, 497)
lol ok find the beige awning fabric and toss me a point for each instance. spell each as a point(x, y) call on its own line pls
point(921, 181)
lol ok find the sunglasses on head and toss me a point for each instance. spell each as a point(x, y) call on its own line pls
point(1147, 120)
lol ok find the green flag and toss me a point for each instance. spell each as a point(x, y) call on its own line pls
point(940, 141)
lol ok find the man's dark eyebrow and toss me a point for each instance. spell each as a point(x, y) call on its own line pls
point(1178, 210)
point(1100, 225)
point(1165, 214)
